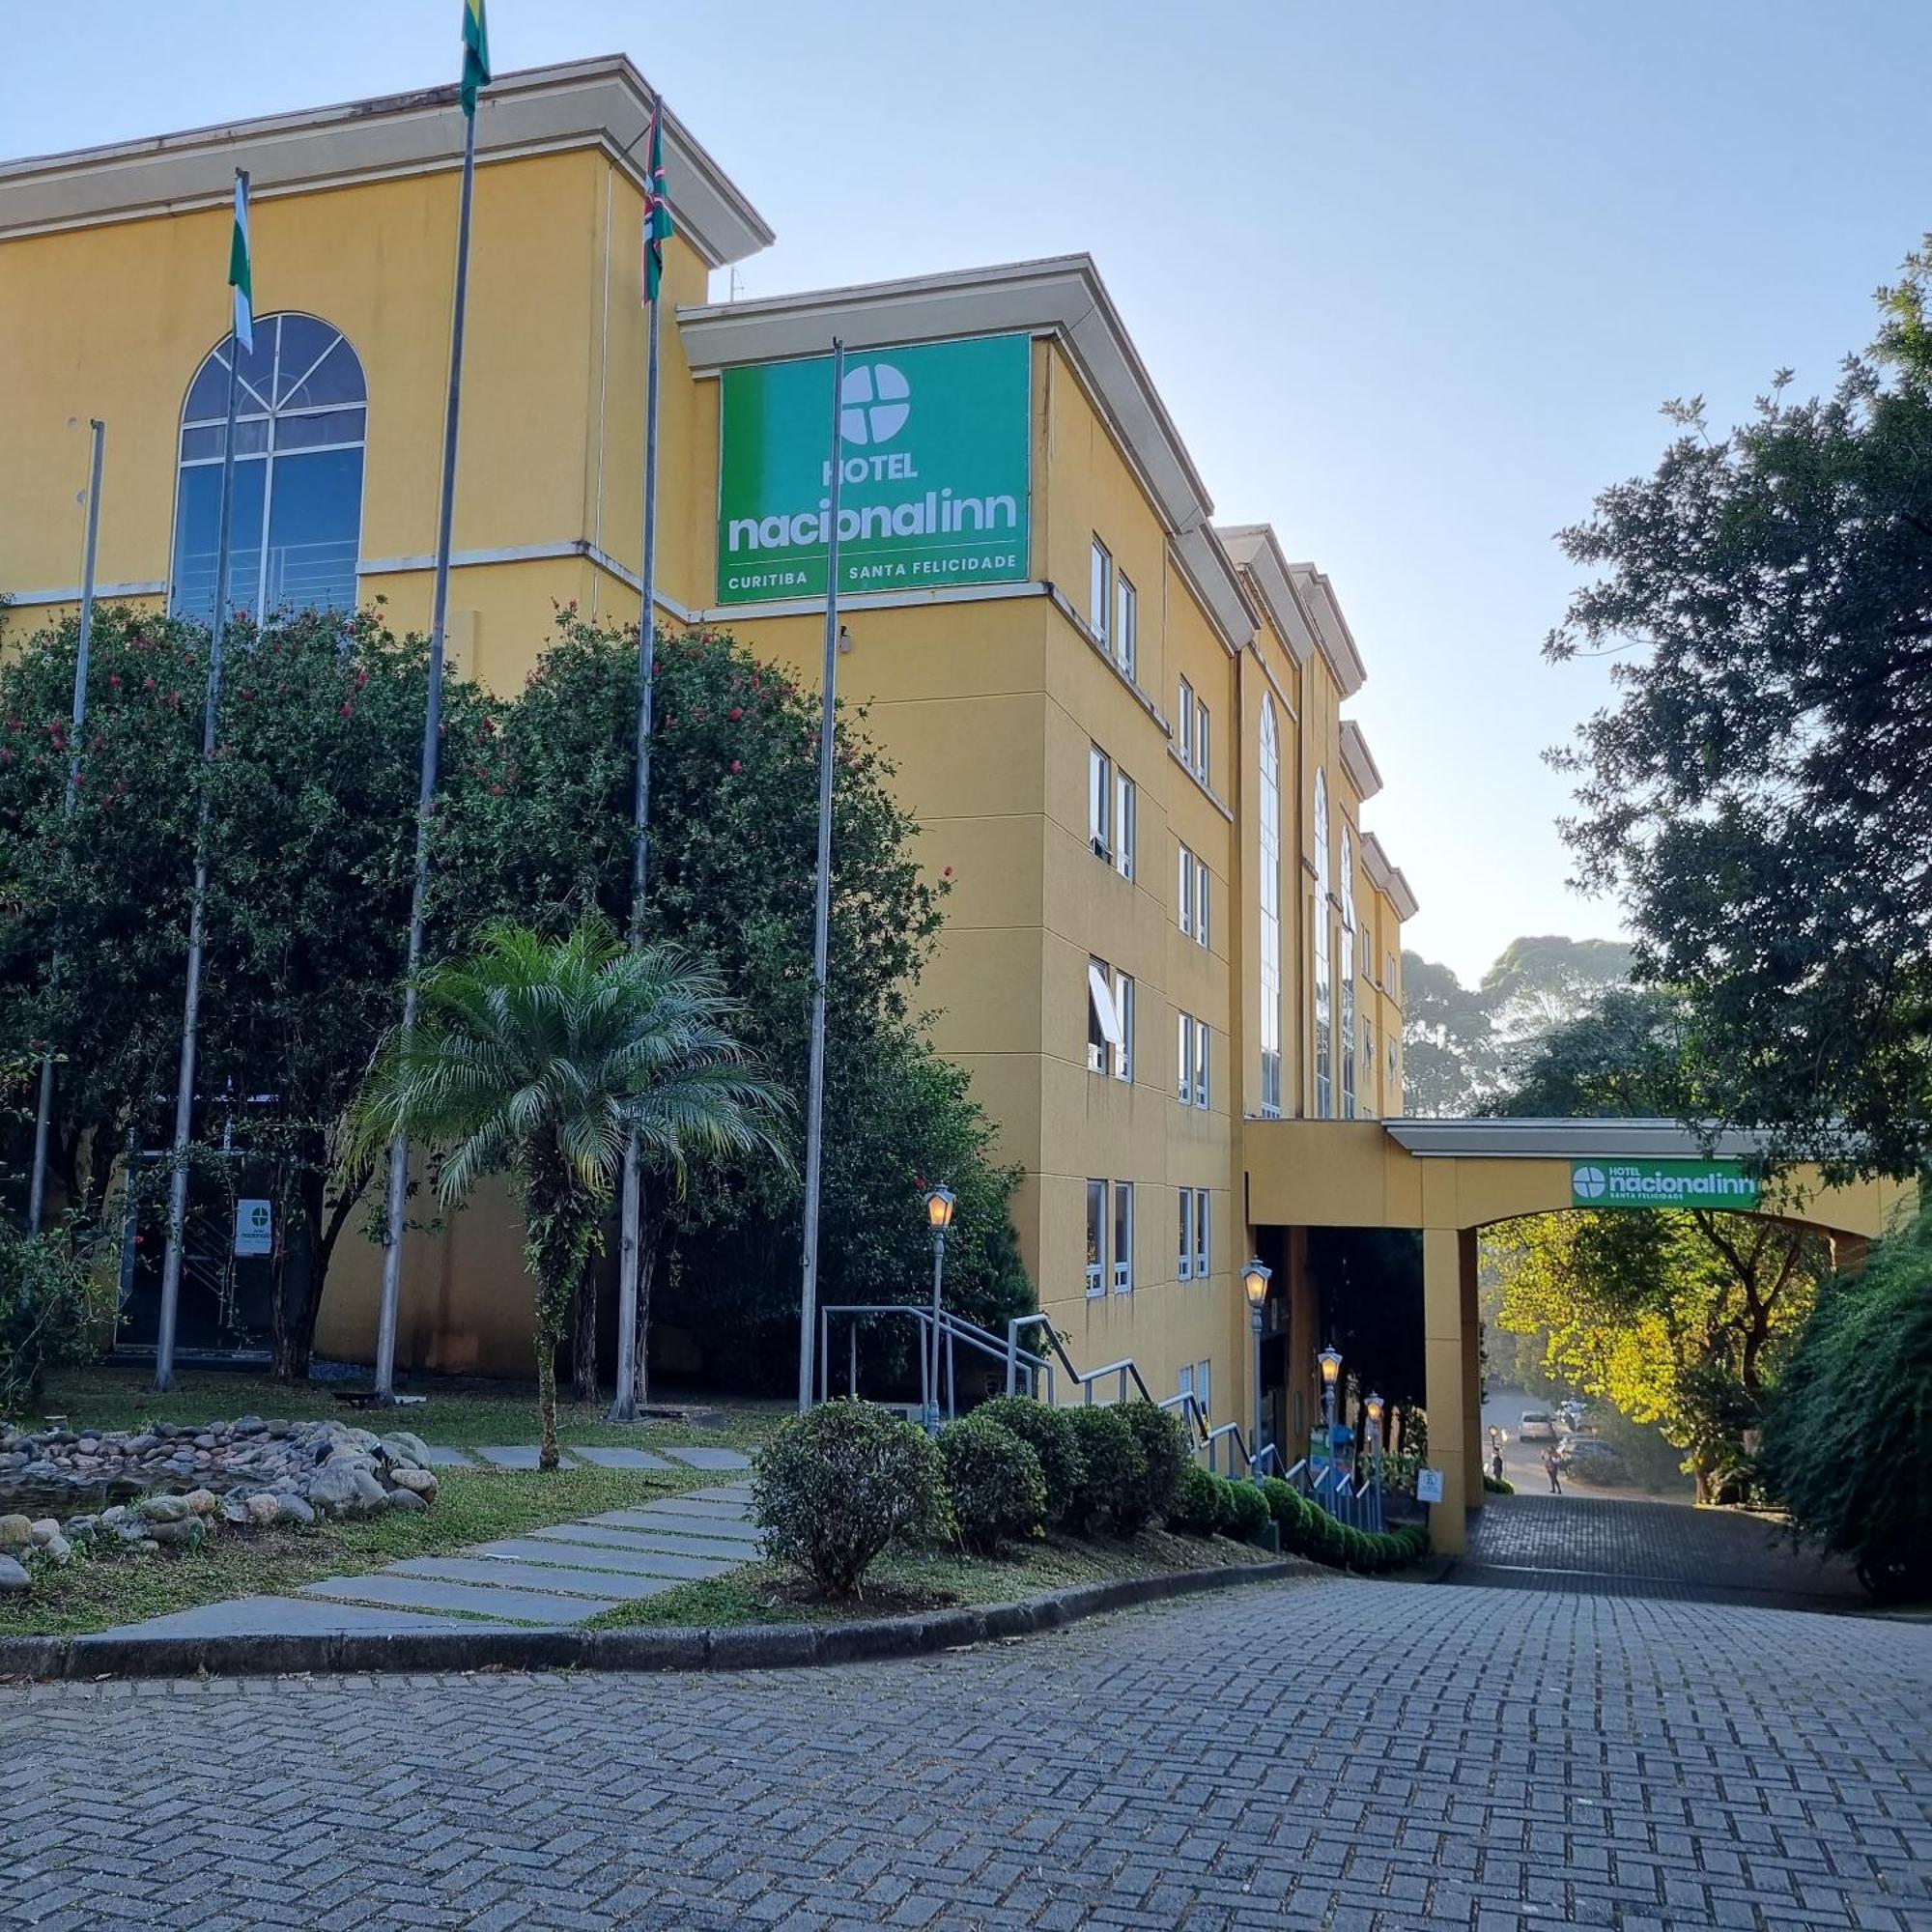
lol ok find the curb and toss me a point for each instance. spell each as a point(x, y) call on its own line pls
point(738, 1647)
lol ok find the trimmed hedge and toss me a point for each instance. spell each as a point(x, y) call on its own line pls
point(1161, 1436)
point(1248, 1511)
point(1498, 1486)
point(1309, 1530)
point(1115, 1470)
point(1051, 1435)
point(1200, 1506)
point(838, 1484)
point(995, 1484)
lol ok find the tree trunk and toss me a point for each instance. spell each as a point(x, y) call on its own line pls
point(547, 1340)
point(583, 1339)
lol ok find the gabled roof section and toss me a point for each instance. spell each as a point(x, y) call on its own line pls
point(1061, 295)
point(603, 103)
point(1263, 562)
point(1387, 877)
point(1356, 761)
point(1336, 641)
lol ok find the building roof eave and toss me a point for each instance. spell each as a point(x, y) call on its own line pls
point(1357, 761)
point(1331, 629)
point(1257, 553)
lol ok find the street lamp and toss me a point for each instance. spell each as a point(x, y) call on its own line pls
point(1372, 1412)
point(1330, 1359)
point(939, 1205)
point(1255, 1285)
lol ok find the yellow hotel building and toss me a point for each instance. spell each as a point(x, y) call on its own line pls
point(1170, 923)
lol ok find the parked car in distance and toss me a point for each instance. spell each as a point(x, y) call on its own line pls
point(1590, 1461)
point(1536, 1426)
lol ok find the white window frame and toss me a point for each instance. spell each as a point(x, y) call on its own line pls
point(1185, 890)
point(1123, 1011)
point(1126, 624)
point(1203, 762)
point(1101, 1007)
point(1097, 1249)
point(1122, 1227)
point(1185, 1044)
point(1203, 1233)
point(1204, 1388)
point(1100, 804)
point(1099, 592)
point(1203, 1062)
point(1126, 825)
point(1183, 1270)
point(1185, 724)
point(1269, 903)
point(1201, 893)
point(1183, 1385)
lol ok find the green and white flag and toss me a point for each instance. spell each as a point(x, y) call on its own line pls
point(475, 53)
point(656, 207)
point(241, 271)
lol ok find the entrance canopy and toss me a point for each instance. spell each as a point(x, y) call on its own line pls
point(1465, 1173)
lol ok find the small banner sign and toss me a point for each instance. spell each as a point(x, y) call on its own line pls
point(1662, 1184)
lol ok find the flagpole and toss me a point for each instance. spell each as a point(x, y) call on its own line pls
point(398, 1147)
point(814, 1125)
point(171, 1263)
point(37, 1190)
point(631, 1363)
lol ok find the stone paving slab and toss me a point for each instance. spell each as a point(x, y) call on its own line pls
point(440, 1455)
point(556, 1545)
point(701, 1508)
point(424, 1593)
point(502, 1573)
point(713, 1529)
point(713, 1554)
point(620, 1459)
point(711, 1459)
point(280, 1616)
point(518, 1455)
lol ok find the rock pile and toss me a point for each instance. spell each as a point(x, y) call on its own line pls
point(190, 1482)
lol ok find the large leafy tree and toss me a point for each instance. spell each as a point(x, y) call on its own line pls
point(539, 1058)
point(312, 799)
point(1757, 791)
point(734, 805)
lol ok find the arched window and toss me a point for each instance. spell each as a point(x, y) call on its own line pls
point(300, 420)
point(1270, 911)
point(1346, 974)
point(1324, 1008)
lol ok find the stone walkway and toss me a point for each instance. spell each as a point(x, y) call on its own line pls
point(566, 1573)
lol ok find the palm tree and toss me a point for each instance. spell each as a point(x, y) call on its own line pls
point(538, 1057)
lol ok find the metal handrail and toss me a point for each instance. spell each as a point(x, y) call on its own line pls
point(952, 1328)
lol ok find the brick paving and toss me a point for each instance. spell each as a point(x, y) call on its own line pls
point(1329, 1753)
point(1621, 1547)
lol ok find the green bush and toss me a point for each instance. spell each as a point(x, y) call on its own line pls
point(51, 1310)
point(1200, 1506)
point(1161, 1438)
point(1497, 1485)
point(995, 1482)
point(1114, 1478)
point(838, 1484)
point(1051, 1435)
point(1248, 1511)
point(1848, 1433)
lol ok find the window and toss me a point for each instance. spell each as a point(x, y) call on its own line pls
point(1100, 803)
point(1185, 723)
point(1126, 626)
point(1184, 1260)
point(299, 420)
point(1270, 911)
point(1183, 1386)
point(1345, 971)
point(1204, 1203)
point(1186, 1053)
point(1201, 759)
point(1324, 1018)
point(1201, 879)
point(1392, 1092)
point(1122, 1066)
point(1099, 592)
point(1108, 1043)
point(1200, 1062)
point(1204, 1387)
point(1369, 1062)
point(1096, 1236)
point(1123, 1237)
point(1183, 891)
point(1126, 802)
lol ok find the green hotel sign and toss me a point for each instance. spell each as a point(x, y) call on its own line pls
point(1662, 1183)
point(935, 472)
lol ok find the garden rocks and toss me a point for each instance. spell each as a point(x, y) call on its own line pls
point(13, 1579)
point(253, 1472)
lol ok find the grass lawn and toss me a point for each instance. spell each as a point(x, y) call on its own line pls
point(464, 1413)
point(96, 1593)
point(903, 1582)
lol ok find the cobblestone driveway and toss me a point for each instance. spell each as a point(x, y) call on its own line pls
point(1329, 1753)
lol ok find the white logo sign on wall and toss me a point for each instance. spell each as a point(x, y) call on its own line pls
point(1589, 1183)
point(1429, 1485)
point(874, 403)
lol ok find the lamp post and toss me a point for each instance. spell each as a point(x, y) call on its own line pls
point(1372, 1412)
point(1255, 1285)
point(938, 1206)
point(1330, 1359)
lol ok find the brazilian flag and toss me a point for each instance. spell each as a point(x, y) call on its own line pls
point(475, 53)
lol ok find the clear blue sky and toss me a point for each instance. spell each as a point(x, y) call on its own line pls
point(1414, 278)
